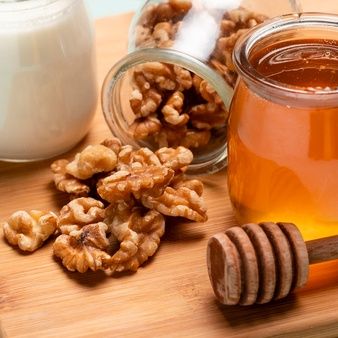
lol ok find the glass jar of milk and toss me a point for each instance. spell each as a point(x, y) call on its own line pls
point(48, 88)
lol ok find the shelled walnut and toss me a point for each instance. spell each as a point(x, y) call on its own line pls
point(180, 202)
point(84, 249)
point(173, 106)
point(176, 159)
point(29, 230)
point(66, 182)
point(92, 160)
point(79, 177)
point(139, 231)
point(194, 185)
point(78, 213)
point(130, 158)
point(138, 189)
point(123, 184)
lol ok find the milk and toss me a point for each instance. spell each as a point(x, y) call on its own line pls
point(48, 88)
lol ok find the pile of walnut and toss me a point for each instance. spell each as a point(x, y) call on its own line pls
point(173, 106)
point(119, 200)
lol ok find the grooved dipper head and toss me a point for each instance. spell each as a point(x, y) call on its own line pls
point(257, 263)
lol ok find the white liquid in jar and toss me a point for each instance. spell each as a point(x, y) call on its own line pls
point(48, 88)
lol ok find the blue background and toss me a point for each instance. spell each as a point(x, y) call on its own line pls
point(100, 8)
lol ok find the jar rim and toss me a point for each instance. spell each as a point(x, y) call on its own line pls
point(216, 160)
point(270, 27)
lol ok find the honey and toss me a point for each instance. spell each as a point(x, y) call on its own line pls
point(310, 64)
point(283, 154)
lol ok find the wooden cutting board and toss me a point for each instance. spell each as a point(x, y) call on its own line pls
point(170, 296)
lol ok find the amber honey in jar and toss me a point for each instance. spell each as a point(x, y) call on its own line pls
point(283, 129)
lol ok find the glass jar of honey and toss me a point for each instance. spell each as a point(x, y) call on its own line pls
point(283, 127)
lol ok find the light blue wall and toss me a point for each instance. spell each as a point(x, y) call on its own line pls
point(100, 8)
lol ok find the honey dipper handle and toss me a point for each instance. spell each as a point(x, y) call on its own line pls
point(323, 249)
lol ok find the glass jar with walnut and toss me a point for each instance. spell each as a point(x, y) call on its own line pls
point(175, 85)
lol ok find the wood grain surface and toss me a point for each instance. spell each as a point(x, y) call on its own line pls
point(169, 297)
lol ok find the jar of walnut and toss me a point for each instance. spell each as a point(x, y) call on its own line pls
point(175, 85)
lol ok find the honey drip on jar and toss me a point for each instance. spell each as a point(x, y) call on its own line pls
point(284, 159)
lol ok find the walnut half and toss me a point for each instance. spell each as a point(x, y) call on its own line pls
point(136, 181)
point(139, 231)
point(67, 183)
point(92, 160)
point(80, 212)
point(180, 202)
point(84, 249)
point(175, 159)
point(28, 230)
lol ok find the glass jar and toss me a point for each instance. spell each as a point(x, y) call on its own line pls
point(175, 85)
point(283, 127)
point(48, 89)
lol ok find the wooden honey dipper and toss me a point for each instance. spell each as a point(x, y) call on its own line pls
point(257, 263)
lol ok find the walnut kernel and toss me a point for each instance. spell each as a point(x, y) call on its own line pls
point(196, 139)
point(67, 183)
point(113, 143)
point(173, 109)
point(176, 159)
point(182, 202)
point(84, 249)
point(80, 212)
point(144, 128)
point(92, 160)
point(29, 230)
point(139, 232)
point(136, 181)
